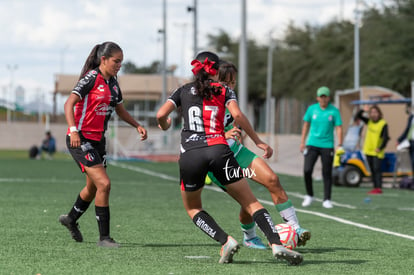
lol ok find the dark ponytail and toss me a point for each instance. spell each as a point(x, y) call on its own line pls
point(205, 65)
point(227, 69)
point(106, 49)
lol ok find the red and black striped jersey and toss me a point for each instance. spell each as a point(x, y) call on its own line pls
point(99, 97)
point(203, 118)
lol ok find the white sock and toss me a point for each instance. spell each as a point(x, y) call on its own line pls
point(289, 216)
point(249, 230)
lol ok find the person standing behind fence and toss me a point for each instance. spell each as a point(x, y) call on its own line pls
point(87, 111)
point(320, 121)
point(376, 139)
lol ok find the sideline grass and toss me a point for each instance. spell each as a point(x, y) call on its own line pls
point(157, 237)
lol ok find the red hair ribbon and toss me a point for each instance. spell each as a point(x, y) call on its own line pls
point(207, 65)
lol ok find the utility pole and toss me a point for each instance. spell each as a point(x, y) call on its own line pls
point(272, 45)
point(243, 61)
point(164, 54)
point(193, 9)
point(10, 97)
point(356, 44)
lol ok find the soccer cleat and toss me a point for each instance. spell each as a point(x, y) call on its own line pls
point(255, 242)
point(228, 250)
point(282, 253)
point(327, 204)
point(304, 235)
point(307, 201)
point(73, 227)
point(108, 242)
point(375, 191)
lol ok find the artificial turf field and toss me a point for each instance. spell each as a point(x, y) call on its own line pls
point(157, 236)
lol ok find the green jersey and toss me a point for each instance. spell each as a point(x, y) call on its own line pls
point(322, 124)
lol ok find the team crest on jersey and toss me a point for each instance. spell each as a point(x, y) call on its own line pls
point(330, 118)
point(314, 116)
point(115, 88)
point(90, 157)
point(193, 91)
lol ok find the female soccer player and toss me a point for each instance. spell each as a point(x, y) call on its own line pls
point(204, 148)
point(262, 174)
point(87, 111)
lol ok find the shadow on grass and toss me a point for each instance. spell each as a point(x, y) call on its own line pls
point(328, 250)
point(167, 245)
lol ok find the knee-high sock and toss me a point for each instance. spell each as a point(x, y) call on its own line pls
point(79, 207)
point(103, 217)
point(209, 226)
point(265, 223)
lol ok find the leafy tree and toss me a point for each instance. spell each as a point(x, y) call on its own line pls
point(130, 68)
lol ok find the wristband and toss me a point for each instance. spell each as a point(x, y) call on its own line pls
point(73, 129)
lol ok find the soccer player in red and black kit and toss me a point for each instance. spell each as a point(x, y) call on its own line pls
point(204, 148)
point(87, 111)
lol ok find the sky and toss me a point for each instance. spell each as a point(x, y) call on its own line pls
point(41, 38)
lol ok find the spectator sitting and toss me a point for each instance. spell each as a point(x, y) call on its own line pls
point(48, 145)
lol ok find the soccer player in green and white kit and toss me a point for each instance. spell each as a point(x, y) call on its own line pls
point(260, 172)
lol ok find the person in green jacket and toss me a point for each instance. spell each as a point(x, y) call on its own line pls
point(320, 121)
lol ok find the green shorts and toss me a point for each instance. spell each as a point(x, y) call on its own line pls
point(243, 156)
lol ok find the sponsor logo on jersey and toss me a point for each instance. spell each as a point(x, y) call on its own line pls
point(196, 137)
point(102, 109)
point(101, 88)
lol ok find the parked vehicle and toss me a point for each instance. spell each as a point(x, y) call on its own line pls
point(350, 164)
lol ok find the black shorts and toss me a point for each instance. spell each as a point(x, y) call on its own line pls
point(218, 159)
point(90, 153)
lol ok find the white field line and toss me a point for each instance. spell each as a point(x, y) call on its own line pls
point(214, 188)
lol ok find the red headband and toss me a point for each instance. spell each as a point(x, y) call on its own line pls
point(206, 65)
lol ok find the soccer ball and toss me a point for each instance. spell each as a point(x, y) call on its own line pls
point(287, 234)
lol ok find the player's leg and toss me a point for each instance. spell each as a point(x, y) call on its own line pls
point(311, 155)
point(261, 172)
point(242, 193)
point(248, 227)
point(193, 169)
point(327, 155)
point(265, 176)
point(100, 179)
point(84, 198)
point(377, 175)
